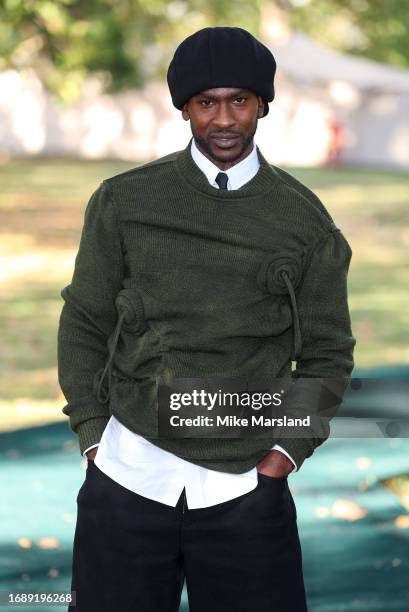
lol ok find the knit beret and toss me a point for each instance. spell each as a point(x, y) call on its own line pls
point(221, 57)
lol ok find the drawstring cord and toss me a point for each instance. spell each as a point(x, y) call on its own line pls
point(102, 395)
point(296, 321)
point(129, 306)
point(279, 274)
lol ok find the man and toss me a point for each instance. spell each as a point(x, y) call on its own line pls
point(208, 262)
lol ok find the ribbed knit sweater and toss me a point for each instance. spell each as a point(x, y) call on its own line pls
point(174, 278)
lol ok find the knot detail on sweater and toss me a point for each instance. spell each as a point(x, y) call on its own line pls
point(281, 274)
point(131, 316)
point(129, 303)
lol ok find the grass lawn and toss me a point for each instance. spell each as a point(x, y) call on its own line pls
point(42, 203)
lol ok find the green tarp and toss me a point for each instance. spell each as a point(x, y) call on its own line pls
point(359, 565)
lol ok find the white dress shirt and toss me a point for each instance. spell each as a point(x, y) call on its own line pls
point(140, 466)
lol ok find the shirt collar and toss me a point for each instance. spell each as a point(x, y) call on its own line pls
point(238, 174)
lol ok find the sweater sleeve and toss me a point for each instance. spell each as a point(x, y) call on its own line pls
point(88, 316)
point(327, 345)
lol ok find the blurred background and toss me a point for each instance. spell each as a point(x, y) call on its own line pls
point(83, 96)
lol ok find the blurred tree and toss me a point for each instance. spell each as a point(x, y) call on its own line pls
point(372, 28)
point(123, 42)
point(127, 42)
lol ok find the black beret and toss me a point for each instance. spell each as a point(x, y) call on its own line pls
point(221, 57)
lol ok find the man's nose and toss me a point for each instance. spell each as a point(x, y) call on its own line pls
point(224, 117)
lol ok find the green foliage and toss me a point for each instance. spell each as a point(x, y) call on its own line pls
point(372, 28)
point(123, 42)
point(128, 42)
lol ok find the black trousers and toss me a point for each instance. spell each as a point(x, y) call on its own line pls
point(132, 554)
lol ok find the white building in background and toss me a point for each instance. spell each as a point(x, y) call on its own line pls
point(320, 95)
point(366, 100)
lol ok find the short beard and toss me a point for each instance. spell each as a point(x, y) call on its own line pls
point(205, 146)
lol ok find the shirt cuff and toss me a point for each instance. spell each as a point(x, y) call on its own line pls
point(280, 448)
point(84, 454)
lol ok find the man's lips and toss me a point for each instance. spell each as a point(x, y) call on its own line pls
point(224, 141)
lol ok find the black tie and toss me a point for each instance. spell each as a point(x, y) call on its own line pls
point(221, 180)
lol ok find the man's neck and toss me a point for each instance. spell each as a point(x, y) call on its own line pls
point(238, 175)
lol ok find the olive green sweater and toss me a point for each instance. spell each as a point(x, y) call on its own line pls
point(174, 278)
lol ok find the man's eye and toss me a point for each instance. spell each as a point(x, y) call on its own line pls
point(205, 102)
point(240, 99)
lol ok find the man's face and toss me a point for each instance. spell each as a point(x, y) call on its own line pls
point(223, 122)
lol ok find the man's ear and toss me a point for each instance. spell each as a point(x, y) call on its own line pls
point(260, 111)
point(185, 112)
